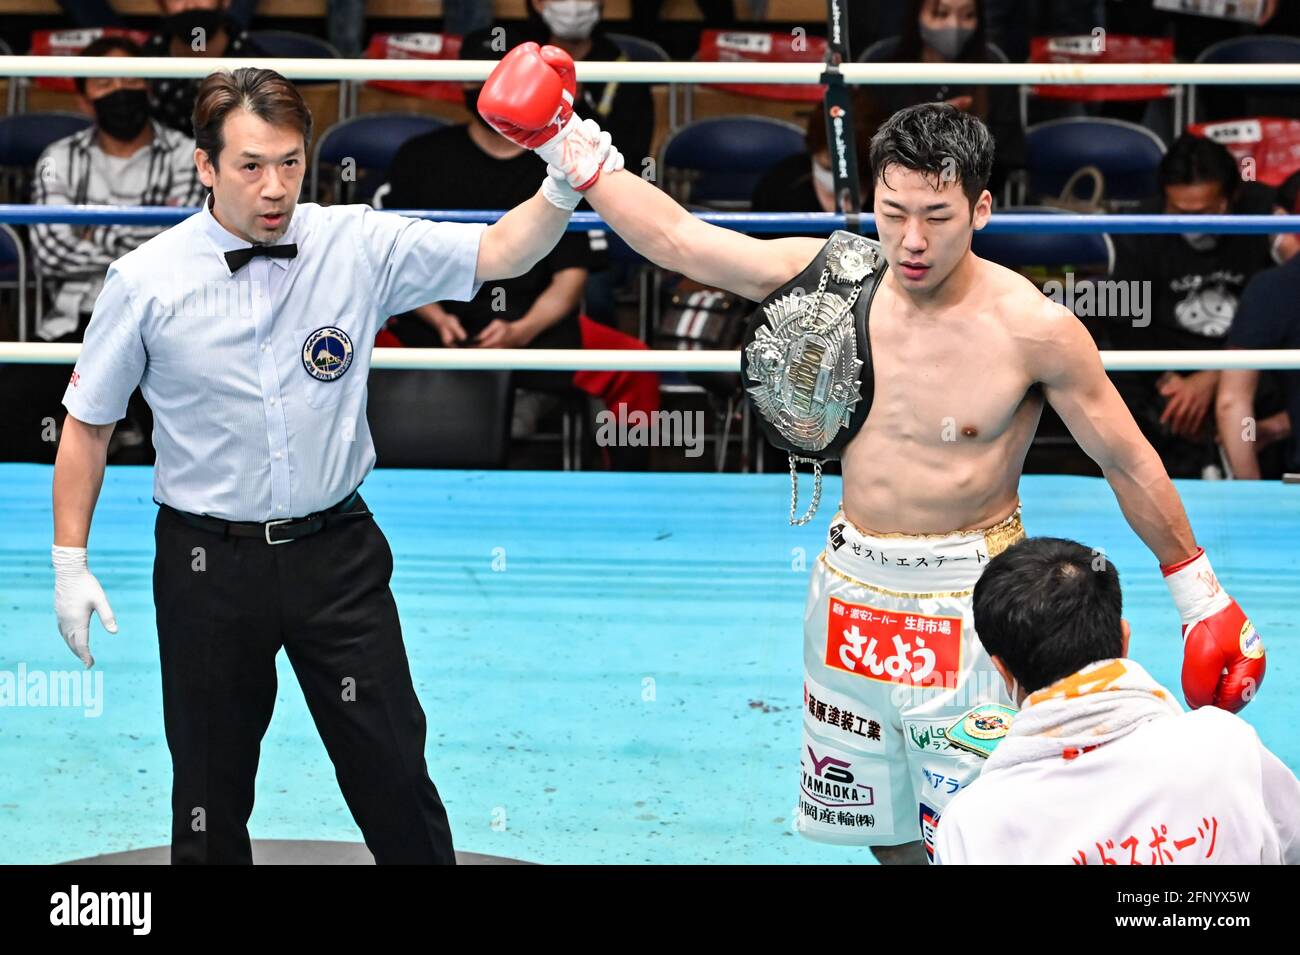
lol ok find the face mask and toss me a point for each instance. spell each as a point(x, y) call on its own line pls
point(571, 19)
point(946, 41)
point(823, 177)
point(182, 25)
point(1201, 241)
point(122, 113)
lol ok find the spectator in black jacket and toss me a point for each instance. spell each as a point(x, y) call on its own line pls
point(1195, 281)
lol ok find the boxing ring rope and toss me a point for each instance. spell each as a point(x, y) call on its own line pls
point(803, 223)
point(1002, 74)
point(688, 72)
point(594, 359)
point(665, 360)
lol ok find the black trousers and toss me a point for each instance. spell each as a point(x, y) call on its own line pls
point(226, 605)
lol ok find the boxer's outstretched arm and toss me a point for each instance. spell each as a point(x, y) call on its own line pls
point(1063, 357)
point(658, 228)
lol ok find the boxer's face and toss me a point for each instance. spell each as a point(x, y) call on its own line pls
point(256, 183)
point(925, 224)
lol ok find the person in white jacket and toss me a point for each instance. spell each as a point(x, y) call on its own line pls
point(1101, 766)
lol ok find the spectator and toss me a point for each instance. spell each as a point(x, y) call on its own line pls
point(804, 182)
point(947, 31)
point(1268, 317)
point(624, 110)
point(124, 159)
point(192, 28)
point(1101, 765)
point(471, 166)
point(1192, 283)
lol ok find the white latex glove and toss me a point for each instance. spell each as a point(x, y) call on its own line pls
point(579, 152)
point(557, 187)
point(76, 594)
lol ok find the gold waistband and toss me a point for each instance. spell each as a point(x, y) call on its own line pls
point(997, 537)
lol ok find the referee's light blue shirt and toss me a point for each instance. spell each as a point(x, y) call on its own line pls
point(257, 380)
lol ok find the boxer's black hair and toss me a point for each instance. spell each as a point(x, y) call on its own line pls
point(938, 140)
point(1049, 607)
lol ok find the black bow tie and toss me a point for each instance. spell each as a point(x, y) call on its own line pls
point(238, 258)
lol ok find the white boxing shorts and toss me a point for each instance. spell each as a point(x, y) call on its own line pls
point(890, 660)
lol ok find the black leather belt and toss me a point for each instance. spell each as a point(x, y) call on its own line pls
point(275, 532)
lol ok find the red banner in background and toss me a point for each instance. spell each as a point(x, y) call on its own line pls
point(416, 46)
point(1101, 47)
point(1267, 148)
point(735, 46)
point(71, 43)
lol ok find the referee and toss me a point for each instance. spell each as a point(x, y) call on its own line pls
point(249, 329)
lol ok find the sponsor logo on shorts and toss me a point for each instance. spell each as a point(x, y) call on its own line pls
point(890, 646)
point(928, 735)
point(829, 780)
point(840, 791)
point(841, 718)
point(836, 536)
point(941, 783)
point(929, 822)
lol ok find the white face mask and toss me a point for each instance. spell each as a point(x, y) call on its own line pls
point(823, 177)
point(571, 19)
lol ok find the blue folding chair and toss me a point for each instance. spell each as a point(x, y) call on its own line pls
point(22, 140)
point(1127, 154)
point(647, 51)
point(1248, 100)
point(24, 137)
point(882, 50)
point(638, 50)
point(371, 142)
point(718, 162)
point(1051, 249)
point(13, 273)
point(287, 43)
point(303, 46)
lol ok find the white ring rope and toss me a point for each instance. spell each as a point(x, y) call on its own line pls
point(595, 359)
point(1234, 74)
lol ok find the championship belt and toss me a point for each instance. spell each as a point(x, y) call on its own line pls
point(806, 357)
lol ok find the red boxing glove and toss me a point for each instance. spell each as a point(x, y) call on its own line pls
point(1223, 655)
point(528, 98)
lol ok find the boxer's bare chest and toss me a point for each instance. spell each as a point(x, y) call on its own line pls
point(946, 379)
